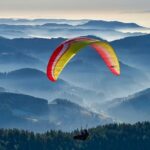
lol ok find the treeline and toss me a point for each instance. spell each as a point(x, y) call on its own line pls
point(108, 137)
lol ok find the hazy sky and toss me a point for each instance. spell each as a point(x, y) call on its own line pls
point(124, 10)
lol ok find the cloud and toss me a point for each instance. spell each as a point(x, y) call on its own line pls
point(136, 11)
point(145, 11)
point(73, 5)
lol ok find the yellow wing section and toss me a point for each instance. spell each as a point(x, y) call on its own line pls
point(68, 55)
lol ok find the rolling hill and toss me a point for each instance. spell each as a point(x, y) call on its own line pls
point(131, 109)
point(35, 114)
point(134, 51)
point(35, 82)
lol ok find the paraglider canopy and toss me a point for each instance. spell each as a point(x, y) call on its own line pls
point(68, 49)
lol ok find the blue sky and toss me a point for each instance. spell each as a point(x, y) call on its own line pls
point(123, 10)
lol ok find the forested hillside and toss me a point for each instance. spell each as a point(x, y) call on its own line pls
point(108, 137)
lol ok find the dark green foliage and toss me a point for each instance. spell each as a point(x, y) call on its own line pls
point(108, 137)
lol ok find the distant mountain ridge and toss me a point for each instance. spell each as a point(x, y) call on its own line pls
point(70, 116)
point(108, 30)
point(27, 112)
point(35, 82)
point(110, 24)
point(40, 21)
point(133, 108)
point(134, 51)
point(25, 73)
